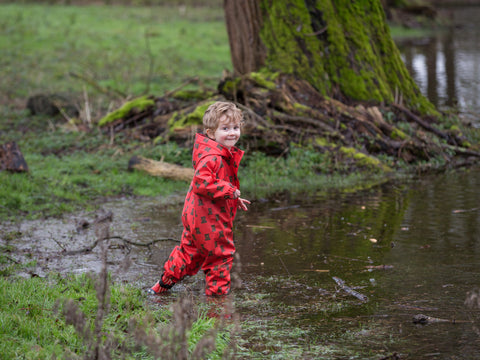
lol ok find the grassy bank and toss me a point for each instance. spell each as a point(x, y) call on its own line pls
point(71, 170)
point(58, 317)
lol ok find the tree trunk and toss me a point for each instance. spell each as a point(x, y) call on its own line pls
point(343, 48)
point(244, 22)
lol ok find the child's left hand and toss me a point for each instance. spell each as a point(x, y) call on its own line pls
point(242, 204)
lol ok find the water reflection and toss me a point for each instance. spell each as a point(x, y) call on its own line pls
point(425, 233)
point(446, 67)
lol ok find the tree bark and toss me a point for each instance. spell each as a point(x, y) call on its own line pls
point(244, 21)
point(341, 47)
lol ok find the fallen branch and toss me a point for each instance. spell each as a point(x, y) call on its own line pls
point(425, 319)
point(379, 267)
point(302, 119)
point(161, 168)
point(422, 123)
point(461, 151)
point(465, 210)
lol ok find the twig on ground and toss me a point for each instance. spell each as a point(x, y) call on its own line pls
point(90, 247)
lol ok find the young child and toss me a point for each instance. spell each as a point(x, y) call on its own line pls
point(210, 205)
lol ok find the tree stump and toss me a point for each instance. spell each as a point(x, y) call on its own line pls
point(11, 158)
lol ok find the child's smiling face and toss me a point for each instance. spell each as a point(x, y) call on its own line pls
point(227, 132)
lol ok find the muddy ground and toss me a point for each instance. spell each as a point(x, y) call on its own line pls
point(141, 233)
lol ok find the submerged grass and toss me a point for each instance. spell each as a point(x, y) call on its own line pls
point(278, 327)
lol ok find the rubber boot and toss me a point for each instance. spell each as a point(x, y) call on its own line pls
point(163, 285)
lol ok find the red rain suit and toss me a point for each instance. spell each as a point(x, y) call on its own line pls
point(208, 213)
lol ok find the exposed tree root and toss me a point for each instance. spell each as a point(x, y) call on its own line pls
point(286, 110)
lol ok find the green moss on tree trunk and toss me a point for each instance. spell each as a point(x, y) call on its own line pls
point(341, 47)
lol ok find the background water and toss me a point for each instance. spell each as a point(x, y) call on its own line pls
point(446, 66)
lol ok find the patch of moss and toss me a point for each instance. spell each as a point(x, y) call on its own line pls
point(180, 120)
point(321, 142)
point(231, 85)
point(398, 134)
point(138, 104)
point(264, 79)
point(192, 94)
point(300, 108)
point(289, 49)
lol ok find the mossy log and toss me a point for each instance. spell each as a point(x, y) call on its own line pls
point(133, 107)
point(160, 168)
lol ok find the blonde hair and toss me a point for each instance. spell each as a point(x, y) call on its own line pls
point(217, 110)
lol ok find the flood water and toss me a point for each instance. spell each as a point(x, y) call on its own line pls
point(446, 66)
point(409, 248)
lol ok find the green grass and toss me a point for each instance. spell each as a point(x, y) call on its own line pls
point(69, 171)
point(32, 325)
point(132, 50)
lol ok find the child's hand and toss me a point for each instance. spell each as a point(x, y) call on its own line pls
point(242, 204)
point(236, 194)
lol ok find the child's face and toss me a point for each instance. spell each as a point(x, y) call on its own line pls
point(227, 132)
